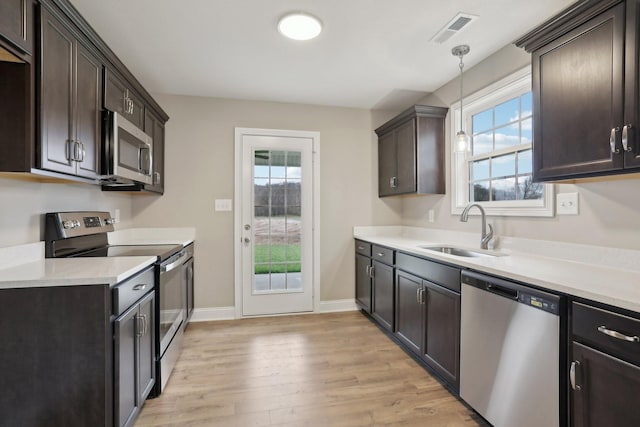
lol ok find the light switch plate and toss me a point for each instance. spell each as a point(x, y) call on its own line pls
point(567, 203)
point(223, 205)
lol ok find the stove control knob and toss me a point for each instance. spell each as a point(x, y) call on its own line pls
point(70, 224)
point(110, 221)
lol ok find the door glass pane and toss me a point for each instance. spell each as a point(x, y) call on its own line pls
point(277, 224)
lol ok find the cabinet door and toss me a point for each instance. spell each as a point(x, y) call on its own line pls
point(442, 334)
point(405, 136)
point(16, 23)
point(409, 311)
point(116, 92)
point(155, 129)
point(88, 99)
point(387, 178)
point(632, 84)
point(578, 99)
point(363, 282)
point(146, 346)
point(608, 394)
point(126, 401)
point(382, 306)
point(56, 90)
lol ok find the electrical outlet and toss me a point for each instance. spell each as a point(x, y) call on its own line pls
point(567, 203)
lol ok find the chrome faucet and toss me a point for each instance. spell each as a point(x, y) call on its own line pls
point(486, 237)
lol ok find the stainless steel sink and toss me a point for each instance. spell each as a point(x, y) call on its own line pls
point(469, 253)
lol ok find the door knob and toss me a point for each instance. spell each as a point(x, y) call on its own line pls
point(247, 227)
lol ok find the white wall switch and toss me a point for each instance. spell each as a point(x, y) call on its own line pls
point(431, 215)
point(223, 205)
point(567, 203)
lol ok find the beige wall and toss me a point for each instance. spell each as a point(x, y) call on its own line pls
point(25, 202)
point(200, 169)
point(609, 210)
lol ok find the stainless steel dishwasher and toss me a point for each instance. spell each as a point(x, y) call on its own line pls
point(510, 352)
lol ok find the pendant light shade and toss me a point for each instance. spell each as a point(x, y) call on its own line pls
point(462, 140)
point(299, 26)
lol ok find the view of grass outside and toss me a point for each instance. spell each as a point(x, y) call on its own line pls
point(277, 259)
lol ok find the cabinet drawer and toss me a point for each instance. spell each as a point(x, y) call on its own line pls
point(596, 326)
point(443, 275)
point(382, 254)
point(363, 248)
point(131, 290)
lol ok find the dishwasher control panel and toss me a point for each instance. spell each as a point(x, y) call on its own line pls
point(538, 302)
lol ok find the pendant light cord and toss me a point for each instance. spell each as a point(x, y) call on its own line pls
point(461, 65)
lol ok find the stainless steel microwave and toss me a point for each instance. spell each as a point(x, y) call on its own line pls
point(127, 152)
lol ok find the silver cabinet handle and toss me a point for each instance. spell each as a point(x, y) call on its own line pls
point(418, 295)
point(625, 138)
point(81, 151)
point(361, 248)
point(380, 254)
point(140, 287)
point(393, 182)
point(612, 140)
point(372, 272)
point(572, 375)
point(618, 335)
point(145, 325)
point(367, 270)
point(422, 301)
point(139, 326)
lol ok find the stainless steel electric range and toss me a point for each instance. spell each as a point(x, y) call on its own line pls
point(84, 234)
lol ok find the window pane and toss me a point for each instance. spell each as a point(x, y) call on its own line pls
point(526, 105)
point(480, 170)
point(507, 112)
point(480, 191)
point(529, 190)
point(261, 158)
point(527, 135)
point(524, 162)
point(483, 143)
point(261, 172)
point(503, 165)
point(482, 121)
point(507, 136)
point(503, 189)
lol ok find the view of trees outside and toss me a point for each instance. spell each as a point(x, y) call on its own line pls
point(276, 223)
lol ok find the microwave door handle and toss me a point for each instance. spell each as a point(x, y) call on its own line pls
point(146, 167)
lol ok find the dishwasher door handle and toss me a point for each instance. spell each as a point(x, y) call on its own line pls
point(502, 291)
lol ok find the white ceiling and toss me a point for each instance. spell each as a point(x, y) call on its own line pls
point(371, 53)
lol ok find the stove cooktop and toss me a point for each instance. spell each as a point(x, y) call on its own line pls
point(161, 251)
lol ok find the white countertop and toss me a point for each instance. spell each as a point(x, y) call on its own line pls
point(606, 275)
point(25, 266)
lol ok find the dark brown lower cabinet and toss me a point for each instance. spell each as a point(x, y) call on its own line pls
point(442, 331)
point(363, 282)
point(428, 314)
point(382, 307)
point(409, 311)
point(608, 392)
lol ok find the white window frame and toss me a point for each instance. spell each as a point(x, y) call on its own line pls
point(492, 95)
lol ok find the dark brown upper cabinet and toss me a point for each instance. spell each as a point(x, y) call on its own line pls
point(586, 94)
point(154, 127)
point(411, 150)
point(119, 97)
point(16, 25)
point(70, 87)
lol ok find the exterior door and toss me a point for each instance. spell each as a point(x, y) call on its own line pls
point(276, 226)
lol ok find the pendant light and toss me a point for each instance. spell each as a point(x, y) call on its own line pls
point(462, 140)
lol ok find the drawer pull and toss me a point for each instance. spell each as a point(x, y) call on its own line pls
point(140, 287)
point(361, 248)
point(618, 335)
point(380, 254)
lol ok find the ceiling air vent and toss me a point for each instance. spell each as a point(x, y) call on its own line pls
point(460, 21)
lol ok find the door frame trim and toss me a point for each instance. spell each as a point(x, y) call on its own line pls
point(315, 212)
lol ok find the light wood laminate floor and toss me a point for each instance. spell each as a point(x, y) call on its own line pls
point(333, 369)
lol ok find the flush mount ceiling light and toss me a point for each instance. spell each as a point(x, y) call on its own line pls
point(299, 26)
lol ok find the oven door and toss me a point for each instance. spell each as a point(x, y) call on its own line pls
point(171, 300)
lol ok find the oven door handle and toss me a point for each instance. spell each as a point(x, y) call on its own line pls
point(174, 264)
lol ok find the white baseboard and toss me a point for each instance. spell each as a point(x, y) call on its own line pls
point(213, 313)
point(229, 313)
point(338, 305)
